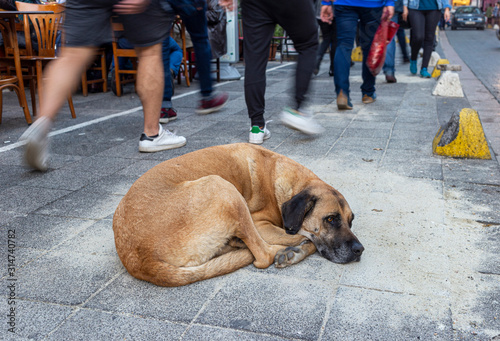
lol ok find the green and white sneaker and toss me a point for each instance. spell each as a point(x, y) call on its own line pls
point(257, 135)
point(299, 121)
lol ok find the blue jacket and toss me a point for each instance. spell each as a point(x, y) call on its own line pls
point(364, 3)
point(413, 4)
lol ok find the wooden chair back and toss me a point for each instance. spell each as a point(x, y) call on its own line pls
point(45, 26)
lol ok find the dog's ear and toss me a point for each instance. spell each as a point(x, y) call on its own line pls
point(296, 209)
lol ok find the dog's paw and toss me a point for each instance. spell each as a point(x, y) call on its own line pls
point(290, 255)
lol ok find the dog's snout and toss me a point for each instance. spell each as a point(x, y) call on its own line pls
point(357, 248)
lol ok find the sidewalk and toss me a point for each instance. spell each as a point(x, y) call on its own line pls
point(430, 225)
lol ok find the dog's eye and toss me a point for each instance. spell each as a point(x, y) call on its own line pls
point(332, 219)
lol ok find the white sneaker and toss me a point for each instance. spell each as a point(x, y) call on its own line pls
point(36, 152)
point(296, 120)
point(257, 135)
point(163, 141)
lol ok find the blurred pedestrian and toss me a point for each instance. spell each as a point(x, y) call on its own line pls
point(400, 34)
point(172, 59)
point(496, 14)
point(489, 14)
point(424, 16)
point(194, 16)
point(389, 64)
point(259, 18)
point(347, 14)
point(329, 35)
point(87, 26)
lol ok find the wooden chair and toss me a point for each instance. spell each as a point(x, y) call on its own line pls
point(101, 61)
point(7, 80)
point(118, 80)
point(46, 28)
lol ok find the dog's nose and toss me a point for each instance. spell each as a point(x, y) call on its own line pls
point(357, 248)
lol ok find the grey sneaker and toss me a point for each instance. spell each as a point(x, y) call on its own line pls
point(163, 141)
point(257, 135)
point(304, 123)
point(36, 152)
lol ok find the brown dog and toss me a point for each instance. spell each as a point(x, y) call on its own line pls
point(215, 210)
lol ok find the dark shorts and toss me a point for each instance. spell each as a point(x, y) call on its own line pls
point(87, 23)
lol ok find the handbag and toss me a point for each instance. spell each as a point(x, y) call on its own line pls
point(376, 57)
point(404, 24)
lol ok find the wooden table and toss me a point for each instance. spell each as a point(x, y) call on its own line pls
point(11, 17)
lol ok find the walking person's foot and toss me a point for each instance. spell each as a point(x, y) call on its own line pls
point(36, 152)
point(258, 134)
point(168, 115)
point(367, 99)
point(413, 67)
point(163, 141)
point(424, 73)
point(343, 101)
point(212, 104)
point(390, 78)
point(297, 120)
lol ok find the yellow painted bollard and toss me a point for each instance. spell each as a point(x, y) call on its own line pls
point(436, 72)
point(357, 54)
point(462, 137)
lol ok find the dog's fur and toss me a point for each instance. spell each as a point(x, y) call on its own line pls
point(215, 210)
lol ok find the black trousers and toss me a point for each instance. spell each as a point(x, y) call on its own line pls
point(297, 17)
point(329, 33)
point(423, 32)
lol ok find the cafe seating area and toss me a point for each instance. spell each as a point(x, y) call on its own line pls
point(31, 39)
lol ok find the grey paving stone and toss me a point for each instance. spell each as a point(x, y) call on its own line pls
point(384, 317)
point(33, 320)
point(83, 204)
point(473, 171)
point(95, 325)
point(98, 238)
point(65, 277)
point(201, 332)
point(132, 296)
point(28, 199)
point(481, 200)
point(314, 267)
point(44, 232)
point(279, 308)
point(117, 183)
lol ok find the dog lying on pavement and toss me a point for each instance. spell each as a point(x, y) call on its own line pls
point(215, 210)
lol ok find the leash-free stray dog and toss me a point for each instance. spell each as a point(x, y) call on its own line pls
point(215, 210)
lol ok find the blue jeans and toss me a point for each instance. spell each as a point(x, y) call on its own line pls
point(391, 52)
point(172, 58)
point(347, 19)
point(196, 25)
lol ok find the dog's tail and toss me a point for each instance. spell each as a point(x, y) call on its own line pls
point(168, 275)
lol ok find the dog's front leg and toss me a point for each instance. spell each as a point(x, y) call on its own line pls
point(294, 254)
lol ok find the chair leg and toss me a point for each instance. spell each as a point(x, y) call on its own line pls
point(117, 81)
point(23, 103)
point(104, 75)
point(85, 88)
point(1, 106)
point(33, 96)
point(71, 107)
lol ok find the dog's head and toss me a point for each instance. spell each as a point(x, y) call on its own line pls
point(321, 214)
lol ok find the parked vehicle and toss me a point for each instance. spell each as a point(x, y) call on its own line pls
point(468, 17)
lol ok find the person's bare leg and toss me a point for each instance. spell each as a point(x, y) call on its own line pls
point(149, 85)
point(62, 76)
